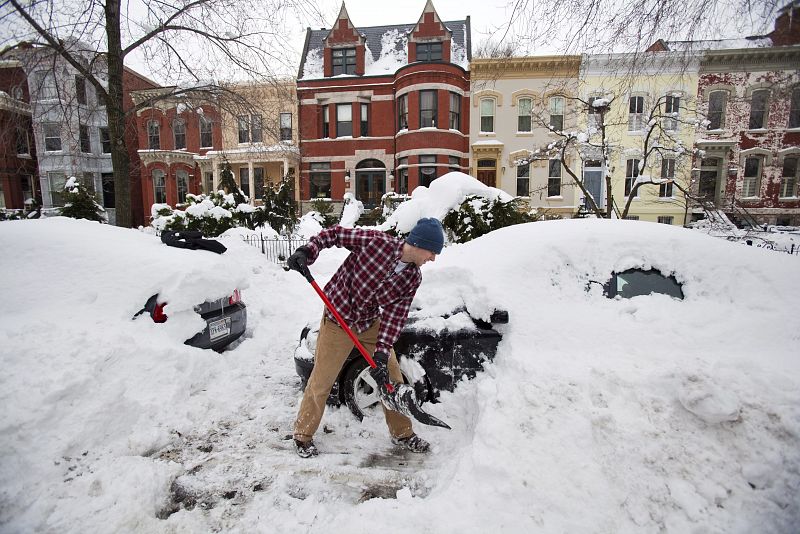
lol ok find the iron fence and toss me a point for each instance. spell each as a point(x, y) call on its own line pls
point(278, 249)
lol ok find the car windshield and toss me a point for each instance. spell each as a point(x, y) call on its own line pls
point(635, 282)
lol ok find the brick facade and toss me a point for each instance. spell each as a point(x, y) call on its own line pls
point(382, 155)
point(18, 165)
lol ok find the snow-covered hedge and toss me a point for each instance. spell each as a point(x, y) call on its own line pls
point(216, 213)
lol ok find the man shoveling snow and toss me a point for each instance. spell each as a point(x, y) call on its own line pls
point(372, 291)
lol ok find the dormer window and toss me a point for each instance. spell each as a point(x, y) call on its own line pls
point(344, 61)
point(429, 51)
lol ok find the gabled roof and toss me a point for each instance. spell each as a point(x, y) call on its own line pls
point(387, 48)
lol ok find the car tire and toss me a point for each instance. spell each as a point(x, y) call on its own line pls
point(359, 393)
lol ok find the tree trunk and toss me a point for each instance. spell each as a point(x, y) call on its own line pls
point(120, 159)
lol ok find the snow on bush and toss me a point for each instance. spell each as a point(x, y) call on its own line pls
point(216, 213)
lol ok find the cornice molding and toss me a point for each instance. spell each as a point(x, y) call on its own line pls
point(526, 67)
point(761, 59)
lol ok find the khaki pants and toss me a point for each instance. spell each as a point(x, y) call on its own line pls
point(333, 347)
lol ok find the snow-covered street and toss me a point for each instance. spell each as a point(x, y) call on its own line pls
point(647, 414)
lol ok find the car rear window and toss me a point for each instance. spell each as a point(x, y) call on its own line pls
point(636, 282)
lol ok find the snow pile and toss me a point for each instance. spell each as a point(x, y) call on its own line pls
point(313, 66)
point(446, 193)
point(393, 54)
point(352, 211)
point(641, 415)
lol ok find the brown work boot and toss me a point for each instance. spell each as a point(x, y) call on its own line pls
point(305, 449)
point(413, 443)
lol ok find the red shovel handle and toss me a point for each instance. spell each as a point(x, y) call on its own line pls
point(343, 324)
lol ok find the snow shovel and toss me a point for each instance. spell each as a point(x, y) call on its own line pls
point(400, 399)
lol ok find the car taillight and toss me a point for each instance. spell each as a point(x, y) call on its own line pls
point(158, 313)
point(235, 298)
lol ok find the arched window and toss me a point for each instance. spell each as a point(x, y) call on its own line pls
point(179, 131)
point(182, 178)
point(370, 164)
point(159, 187)
point(153, 135)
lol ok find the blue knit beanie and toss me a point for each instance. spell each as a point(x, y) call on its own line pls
point(427, 234)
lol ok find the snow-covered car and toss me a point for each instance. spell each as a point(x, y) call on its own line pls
point(226, 320)
point(433, 357)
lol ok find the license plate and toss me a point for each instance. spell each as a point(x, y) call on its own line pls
point(218, 329)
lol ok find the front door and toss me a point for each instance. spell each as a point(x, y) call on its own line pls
point(593, 182)
point(487, 176)
point(370, 187)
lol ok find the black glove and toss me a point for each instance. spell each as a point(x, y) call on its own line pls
point(381, 372)
point(299, 262)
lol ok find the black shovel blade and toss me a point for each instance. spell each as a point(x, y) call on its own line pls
point(403, 400)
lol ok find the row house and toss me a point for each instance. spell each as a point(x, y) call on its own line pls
point(174, 132)
point(650, 122)
point(259, 139)
point(190, 136)
point(749, 99)
point(18, 166)
point(70, 126)
point(383, 108)
point(515, 101)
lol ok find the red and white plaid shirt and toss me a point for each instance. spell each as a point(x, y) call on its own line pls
point(366, 285)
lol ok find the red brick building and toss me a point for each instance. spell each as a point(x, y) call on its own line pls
point(748, 93)
point(383, 108)
point(18, 166)
point(174, 134)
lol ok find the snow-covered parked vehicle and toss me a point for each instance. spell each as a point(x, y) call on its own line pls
point(226, 320)
point(434, 355)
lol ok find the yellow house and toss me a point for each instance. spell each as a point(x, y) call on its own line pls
point(259, 137)
point(514, 101)
point(646, 103)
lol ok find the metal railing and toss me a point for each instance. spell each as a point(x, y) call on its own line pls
point(277, 250)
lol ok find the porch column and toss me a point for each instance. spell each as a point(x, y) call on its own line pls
point(250, 182)
point(216, 178)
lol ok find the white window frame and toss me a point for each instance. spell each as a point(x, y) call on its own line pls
point(524, 173)
point(751, 185)
point(555, 107)
point(636, 117)
point(765, 110)
point(672, 111)
point(182, 182)
point(286, 126)
point(789, 182)
point(667, 190)
point(492, 103)
point(722, 112)
point(552, 177)
point(159, 184)
point(632, 172)
point(54, 126)
point(524, 114)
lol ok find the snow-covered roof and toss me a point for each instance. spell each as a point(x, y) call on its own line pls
point(387, 46)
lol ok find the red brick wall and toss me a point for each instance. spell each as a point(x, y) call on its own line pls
point(131, 81)
point(12, 166)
